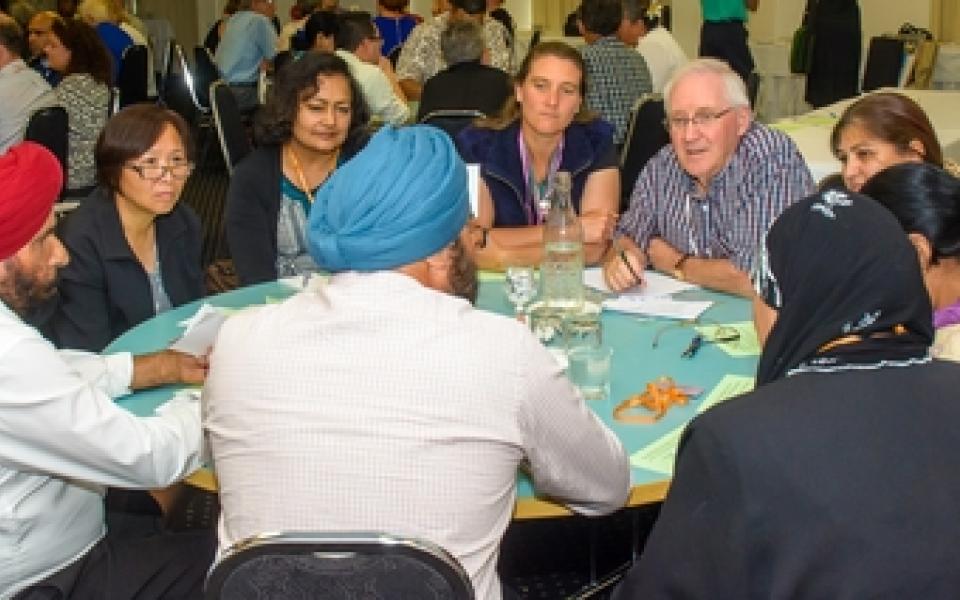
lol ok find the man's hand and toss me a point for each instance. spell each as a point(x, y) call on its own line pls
point(167, 367)
point(598, 227)
point(623, 265)
point(663, 256)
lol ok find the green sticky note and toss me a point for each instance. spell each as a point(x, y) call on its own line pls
point(490, 276)
point(659, 456)
point(747, 344)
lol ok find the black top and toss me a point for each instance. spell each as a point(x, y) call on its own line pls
point(253, 206)
point(466, 86)
point(820, 485)
point(104, 290)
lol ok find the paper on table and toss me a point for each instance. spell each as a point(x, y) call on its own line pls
point(659, 455)
point(746, 345)
point(658, 307)
point(656, 285)
point(201, 330)
point(473, 187)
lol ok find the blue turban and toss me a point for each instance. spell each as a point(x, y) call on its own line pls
point(402, 199)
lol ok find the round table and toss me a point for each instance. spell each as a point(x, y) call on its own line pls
point(635, 362)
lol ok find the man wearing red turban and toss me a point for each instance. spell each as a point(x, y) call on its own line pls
point(63, 440)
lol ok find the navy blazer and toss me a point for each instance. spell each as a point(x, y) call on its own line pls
point(105, 291)
point(588, 147)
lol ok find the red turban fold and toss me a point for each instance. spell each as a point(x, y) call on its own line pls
point(30, 180)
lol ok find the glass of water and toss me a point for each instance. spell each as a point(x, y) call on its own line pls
point(589, 369)
point(521, 287)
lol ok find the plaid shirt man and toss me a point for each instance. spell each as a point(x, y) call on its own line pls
point(765, 175)
point(617, 76)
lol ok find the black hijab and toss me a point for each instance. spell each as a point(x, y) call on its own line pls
point(838, 264)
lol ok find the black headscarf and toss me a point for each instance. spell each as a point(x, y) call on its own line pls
point(837, 264)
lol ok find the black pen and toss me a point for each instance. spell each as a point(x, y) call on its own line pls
point(694, 347)
point(623, 257)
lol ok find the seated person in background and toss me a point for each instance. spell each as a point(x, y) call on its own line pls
point(212, 40)
point(358, 44)
point(702, 204)
point(497, 11)
point(459, 394)
point(641, 29)
point(466, 83)
point(299, 13)
point(802, 488)
point(616, 73)
point(926, 201)
point(248, 44)
point(22, 90)
point(96, 13)
point(394, 23)
point(62, 438)
point(37, 33)
point(134, 248)
point(880, 130)
point(320, 31)
point(75, 51)
point(315, 121)
point(421, 57)
point(543, 129)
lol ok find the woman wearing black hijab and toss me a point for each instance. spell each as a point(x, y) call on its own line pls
point(837, 477)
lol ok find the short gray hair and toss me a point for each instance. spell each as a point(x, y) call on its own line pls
point(736, 90)
point(461, 41)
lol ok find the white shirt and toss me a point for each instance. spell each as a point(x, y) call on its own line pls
point(663, 55)
point(373, 403)
point(381, 99)
point(62, 439)
point(22, 91)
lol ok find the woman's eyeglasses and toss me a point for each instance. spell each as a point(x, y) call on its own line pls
point(178, 171)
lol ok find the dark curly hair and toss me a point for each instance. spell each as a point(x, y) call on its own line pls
point(297, 82)
point(87, 52)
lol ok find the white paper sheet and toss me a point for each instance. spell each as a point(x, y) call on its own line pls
point(473, 187)
point(201, 331)
point(656, 285)
point(667, 308)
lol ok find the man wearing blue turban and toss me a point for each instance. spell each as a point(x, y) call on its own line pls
point(381, 399)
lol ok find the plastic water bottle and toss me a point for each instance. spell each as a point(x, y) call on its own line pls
point(561, 271)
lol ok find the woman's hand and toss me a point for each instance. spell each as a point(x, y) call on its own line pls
point(598, 227)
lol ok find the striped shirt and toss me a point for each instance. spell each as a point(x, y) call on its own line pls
point(765, 175)
point(616, 78)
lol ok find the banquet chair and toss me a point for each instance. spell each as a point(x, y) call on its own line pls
point(336, 566)
point(452, 121)
point(134, 73)
point(229, 124)
point(49, 128)
point(180, 95)
point(885, 59)
point(646, 135)
point(206, 72)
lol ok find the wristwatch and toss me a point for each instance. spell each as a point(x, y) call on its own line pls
point(678, 268)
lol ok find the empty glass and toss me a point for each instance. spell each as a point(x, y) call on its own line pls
point(521, 287)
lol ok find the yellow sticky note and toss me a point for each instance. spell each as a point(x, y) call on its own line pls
point(747, 344)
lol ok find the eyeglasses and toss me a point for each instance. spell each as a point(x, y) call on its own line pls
point(178, 171)
point(701, 118)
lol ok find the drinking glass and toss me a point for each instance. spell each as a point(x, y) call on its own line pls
point(546, 323)
point(589, 370)
point(582, 329)
point(521, 286)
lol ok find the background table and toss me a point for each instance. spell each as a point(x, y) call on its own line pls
point(634, 364)
point(811, 131)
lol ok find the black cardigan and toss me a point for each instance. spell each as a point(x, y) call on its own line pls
point(104, 290)
point(253, 203)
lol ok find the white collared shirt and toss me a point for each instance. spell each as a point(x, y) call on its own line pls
point(383, 101)
point(372, 403)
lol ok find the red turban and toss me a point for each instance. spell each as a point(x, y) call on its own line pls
point(30, 181)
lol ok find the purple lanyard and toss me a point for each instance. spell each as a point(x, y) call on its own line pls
point(533, 204)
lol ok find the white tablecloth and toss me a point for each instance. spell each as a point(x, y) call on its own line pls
point(946, 69)
point(811, 131)
point(780, 93)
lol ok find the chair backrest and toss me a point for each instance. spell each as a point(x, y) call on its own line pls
point(885, 58)
point(134, 73)
point(452, 121)
point(229, 124)
point(337, 566)
point(281, 60)
point(753, 88)
point(206, 73)
point(49, 127)
point(646, 135)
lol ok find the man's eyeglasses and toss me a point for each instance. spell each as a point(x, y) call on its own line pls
point(178, 171)
point(700, 119)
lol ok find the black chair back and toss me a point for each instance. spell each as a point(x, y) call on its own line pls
point(646, 135)
point(337, 567)
point(450, 120)
point(884, 62)
point(134, 73)
point(281, 60)
point(206, 73)
point(394, 55)
point(49, 127)
point(230, 129)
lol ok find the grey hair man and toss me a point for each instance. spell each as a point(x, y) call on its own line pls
point(702, 204)
point(467, 83)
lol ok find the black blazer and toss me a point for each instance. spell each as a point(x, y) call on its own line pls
point(104, 290)
point(253, 205)
point(820, 485)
